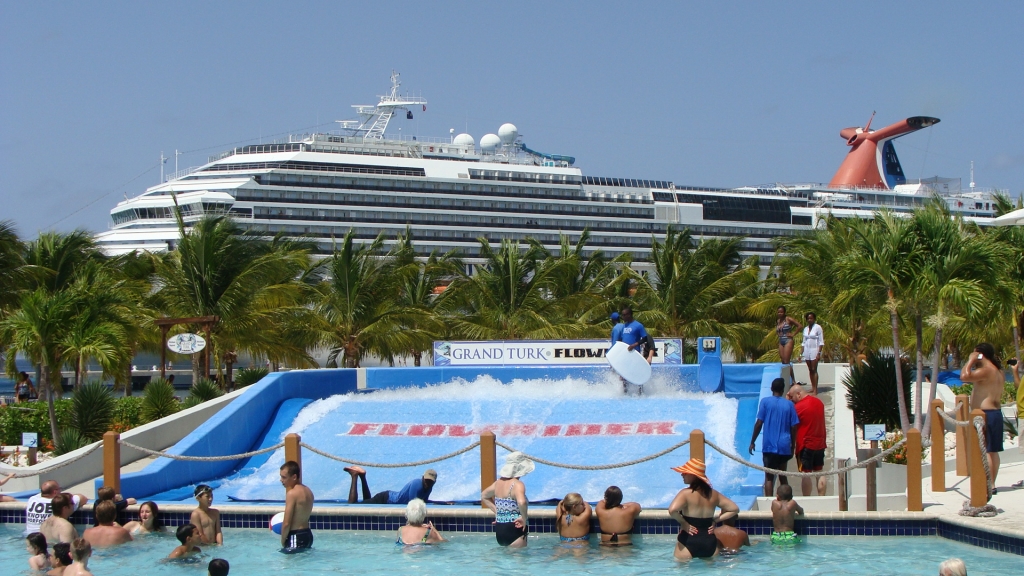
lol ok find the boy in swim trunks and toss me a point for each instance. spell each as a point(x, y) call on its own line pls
point(298, 505)
point(189, 535)
point(205, 518)
point(984, 371)
point(784, 511)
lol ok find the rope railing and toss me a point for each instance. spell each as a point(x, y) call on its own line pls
point(68, 462)
point(164, 454)
point(978, 425)
point(390, 465)
point(843, 470)
point(597, 466)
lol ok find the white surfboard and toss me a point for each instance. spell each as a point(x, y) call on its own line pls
point(629, 364)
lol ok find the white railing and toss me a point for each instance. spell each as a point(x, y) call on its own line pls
point(181, 173)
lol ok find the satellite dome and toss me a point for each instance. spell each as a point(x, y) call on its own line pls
point(489, 142)
point(508, 133)
point(464, 140)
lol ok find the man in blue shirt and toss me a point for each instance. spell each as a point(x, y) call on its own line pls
point(418, 488)
point(777, 415)
point(633, 333)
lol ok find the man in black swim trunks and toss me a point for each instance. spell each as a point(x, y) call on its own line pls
point(298, 505)
point(778, 417)
point(984, 371)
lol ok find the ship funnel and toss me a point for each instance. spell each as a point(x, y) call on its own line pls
point(872, 160)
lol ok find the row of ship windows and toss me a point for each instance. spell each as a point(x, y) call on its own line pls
point(534, 177)
point(628, 183)
point(318, 167)
point(407, 201)
point(165, 212)
point(341, 183)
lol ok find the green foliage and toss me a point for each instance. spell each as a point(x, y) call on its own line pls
point(70, 439)
point(203, 390)
point(898, 456)
point(31, 417)
point(249, 376)
point(871, 391)
point(93, 413)
point(127, 413)
point(964, 389)
point(158, 400)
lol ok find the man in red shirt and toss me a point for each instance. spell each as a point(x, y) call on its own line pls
point(810, 436)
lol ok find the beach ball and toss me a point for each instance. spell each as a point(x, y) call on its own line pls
point(276, 522)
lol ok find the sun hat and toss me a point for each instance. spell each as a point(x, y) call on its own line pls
point(695, 467)
point(430, 474)
point(516, 466)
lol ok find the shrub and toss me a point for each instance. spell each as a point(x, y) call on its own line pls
point(127, 413)
point(93, 410)
point(872, 393)
point(158, 400)
point(32, 417)
point(898, 456)
point(70, 440)
point(248, 376)
point(202, 391)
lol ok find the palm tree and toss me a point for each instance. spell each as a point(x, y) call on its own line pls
point(1012, 237)
point(509, 297)
point(246, 280)
point(882, 266)
point(357, 305)
point(13, 271)
point(698, 288)
point(420, 285)
point(56, 259)
point(37, 328)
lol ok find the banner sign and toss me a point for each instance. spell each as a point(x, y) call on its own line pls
point(542, 352)
point(186, 343)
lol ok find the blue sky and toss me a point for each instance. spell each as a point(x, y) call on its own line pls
point(713, 94)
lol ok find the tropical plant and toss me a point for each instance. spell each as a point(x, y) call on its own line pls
point(250, 376)
point(871, 388)
point(419, 283)
point(203, 390)
point(127, 414)
point(32, 417)
point(93, 410)
point(14, 273)
point(69, 440)
point(158, 400)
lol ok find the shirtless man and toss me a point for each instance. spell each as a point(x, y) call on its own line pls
point(106, 532)
point(206, 519)
point(731, 537)
point(189, 535)
point(983, 370)
point(57, 528)
point(615, 518)
point(81, 551)
point(784, 512)
point(38, 507)
point(298, 505)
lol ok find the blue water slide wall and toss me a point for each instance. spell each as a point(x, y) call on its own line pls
point(237, 428)
point(244, 424)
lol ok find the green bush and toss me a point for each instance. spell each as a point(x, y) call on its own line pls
point(32, 417)
point(127, 413)
point(93, 410)
point(872, 392)
point(158, 400)
point(203, 390)
point(70, 440)
point(248, 376)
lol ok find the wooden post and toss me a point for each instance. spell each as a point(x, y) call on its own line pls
point(163, 351)
point(870, 483)
point(112, 461)
point(209, 347)
point(938, 448)
point(963, 447)
point(32, 452)
point(292, 451)
point(488, 461)
point(913, 446)
point(844, 504)
point(697, 445)
point(979, 482)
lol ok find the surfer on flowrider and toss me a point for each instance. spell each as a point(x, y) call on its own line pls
point(625, 359)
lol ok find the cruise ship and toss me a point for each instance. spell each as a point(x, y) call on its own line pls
point(452, 191)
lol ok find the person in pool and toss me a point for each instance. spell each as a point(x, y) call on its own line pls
point(205, 518)
point(298, 505)
point(418, 488)
point(784, 512)
point(572, 516)
point(694, 509)
point(60, 559)
point(189, 535)
point(616, 519)
point(106, 532)
point(149, 520)
point(81, 551)
point(511, 522)
point(35, 544)
point(417, 530)
point(785, 326)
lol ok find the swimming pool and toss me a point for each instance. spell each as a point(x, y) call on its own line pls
point(254, 552)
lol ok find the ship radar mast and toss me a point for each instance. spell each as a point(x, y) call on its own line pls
point(376, 118)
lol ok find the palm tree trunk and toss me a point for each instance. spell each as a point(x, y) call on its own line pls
point(417, 356)
point(1016, 335)
point(900, 395)
point(78, 371)
point(48, 386)
point(197, 367)
point(936, 352)
point(920, 369)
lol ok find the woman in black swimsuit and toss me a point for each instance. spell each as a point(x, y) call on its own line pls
point(694, 509)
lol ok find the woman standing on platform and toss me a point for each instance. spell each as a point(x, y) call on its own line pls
point(784, 329)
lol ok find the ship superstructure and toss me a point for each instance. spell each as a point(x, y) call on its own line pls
point(452, 191)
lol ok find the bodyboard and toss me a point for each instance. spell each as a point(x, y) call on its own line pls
point(629, 364)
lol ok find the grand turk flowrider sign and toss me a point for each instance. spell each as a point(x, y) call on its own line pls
point(542, 352)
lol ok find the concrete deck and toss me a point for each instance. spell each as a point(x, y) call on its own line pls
point(1010, 501)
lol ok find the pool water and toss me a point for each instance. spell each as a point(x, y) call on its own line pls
point(254, 552)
